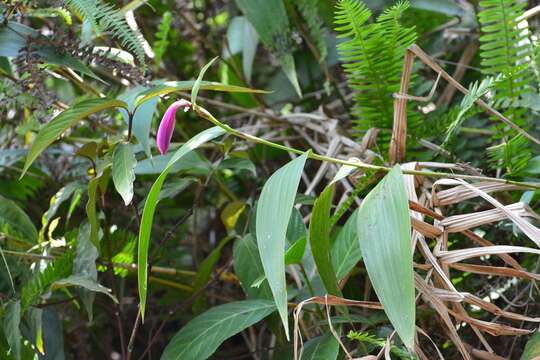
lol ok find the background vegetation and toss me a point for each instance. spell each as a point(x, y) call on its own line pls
point(349, 179)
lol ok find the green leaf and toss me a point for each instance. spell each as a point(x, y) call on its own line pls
point(323, 347)
point(142, 116)
point(200, 338)
point(319, 239)
point(346, 249)
point(91, 211)
point(84, 282)
point(242, 38)
point(58, 199)
point(205, 269)
point(384, 233)
point(532, 348)
point(66, 119)
point(270, 20)
point(175, 86)
point(273, 213)
point(197, 85)
point(15, 223)
point(12, 320)
point(238, 164)
point(295, 253)
point(151, 203)
point(123, 173)
point(248, 268)
point(84, 265)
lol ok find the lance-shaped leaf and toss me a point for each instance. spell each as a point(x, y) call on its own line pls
point(123, 173)
point(176, 86)
point(66, 119)
point(12, 320)
point(151, 203)
point(15, 223)
point(319, 238)
point(346, 250)
point(202, 336)
point(273, 213)
point(384, 232)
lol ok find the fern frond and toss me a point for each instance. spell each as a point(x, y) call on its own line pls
point(40, 282)
point(504, 47)
point(309, 11)
point(104, 17)
point(373, 58)
point(162, 42)
point(513, 155)
point(476, 92)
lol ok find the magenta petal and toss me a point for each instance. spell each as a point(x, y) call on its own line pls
point(166, 126)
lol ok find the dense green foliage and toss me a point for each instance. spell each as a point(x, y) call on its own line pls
point(211, 179)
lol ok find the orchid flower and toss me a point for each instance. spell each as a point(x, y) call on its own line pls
point(166, 126)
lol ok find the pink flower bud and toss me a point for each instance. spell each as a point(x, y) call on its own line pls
point(166, 126)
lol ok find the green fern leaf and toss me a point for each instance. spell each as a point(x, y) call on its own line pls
point(104, 17)
point(40, 282)
point(505, 49)
point(372, 57)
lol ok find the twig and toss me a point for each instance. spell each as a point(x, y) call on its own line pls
point(205, 114)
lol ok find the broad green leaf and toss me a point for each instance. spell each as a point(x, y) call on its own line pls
point(84, 265)
point(84, 282)
point(200, 338)
point(11, 41)
point(296, 229)
point(58, 199)
point(12, 320)
point(242, 38)
point(323, 347)
point(151, 203)
point(231, 213)
point(384, 233)
point(176, 86)
point(532, 348)
point(273, 213)
point(270, 20)
point(142, 116)
point(198, 82)
point(66, 119)
point(123, 173)
point(15, 223)
point(248, 268)
point(346, 249)
point(295, 253)
point(238, 164)
point(193, 162)
point(53, 337)
point(319, 239)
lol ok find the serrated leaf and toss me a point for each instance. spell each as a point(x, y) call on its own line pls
point(12, 320)
point(319, 239)
point(200, 338)
point(123, 173)
point(346, 249)
point(151, 203)
point(273, 213)
point(384, 233)
point(15, 223)
point(66, 119)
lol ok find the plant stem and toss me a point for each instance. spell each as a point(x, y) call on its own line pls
point(207, 115)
